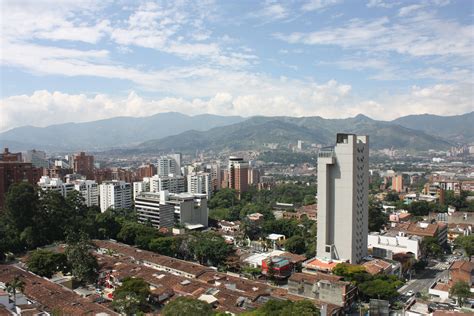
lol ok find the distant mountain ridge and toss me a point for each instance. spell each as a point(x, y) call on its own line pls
point(110, 133)
point(176, 131)
point(458, 128)
point(255, 132)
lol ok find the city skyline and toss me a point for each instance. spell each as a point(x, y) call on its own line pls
point(81, 61)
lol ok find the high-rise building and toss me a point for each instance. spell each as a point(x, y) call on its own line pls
point(54, 184)
point(84, 164)
point(200, 183)
point(141, 186)
point(89, 191)
point(170, 164)
point(215, 170)
point(164, 209)
point(37, 158)
point(254, 176)
point(151, 207)
point(146, 171)
point(238, 174)
point(343, 182)
point(171, 183)
point(14, 170)
point(115, 194)
point(397, 183)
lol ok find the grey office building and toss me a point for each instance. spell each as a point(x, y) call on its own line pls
point(343, 183)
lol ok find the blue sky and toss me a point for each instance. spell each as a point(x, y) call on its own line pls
point(72, 60)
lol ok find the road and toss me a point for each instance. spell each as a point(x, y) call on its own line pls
point(423, 280)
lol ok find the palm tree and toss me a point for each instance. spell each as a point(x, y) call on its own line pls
point(13, 286)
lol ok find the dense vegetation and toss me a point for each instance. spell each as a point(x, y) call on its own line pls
point(285, 308)
point(370, 286)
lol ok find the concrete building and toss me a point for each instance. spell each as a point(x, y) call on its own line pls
point(215, 170)
point(254, 176)
point(171, 183)
point(84, 164)
point(14, 170)
point(89, 191)
point(141, 186)
point(151, 207)
point(115, 194)
point(54, 184)
point(170, 164)
point(164, 209)
point(189, 209)
point(37, 158)
point(324, 287)
point(397, 183)
point(343, 182)
point(238, 174)
point(395, 243)
point(200, 183)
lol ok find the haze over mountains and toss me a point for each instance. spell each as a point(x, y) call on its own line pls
point(176, 131)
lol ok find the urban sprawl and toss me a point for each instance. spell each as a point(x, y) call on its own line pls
point(327, 230)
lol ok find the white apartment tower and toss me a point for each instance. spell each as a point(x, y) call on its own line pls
point(141, 186)
point(55, 184)
point(171, 183)
point(115, 194)
point(170, 164)
point(200, 183)
point(343, 182)
point(89, 191)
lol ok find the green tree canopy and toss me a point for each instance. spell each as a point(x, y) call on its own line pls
point(45, 263)
point(83, 264)
point(132, 296)
point(295, 244)
point(209, 248)
point(462, 291)
point(466, 243)
point(187, 306)
point(285, 308)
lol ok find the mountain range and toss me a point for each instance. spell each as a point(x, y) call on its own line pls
point(180, 132)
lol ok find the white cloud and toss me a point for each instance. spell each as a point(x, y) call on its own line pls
point(418, 36)
point(381, 4)
point(314, 5)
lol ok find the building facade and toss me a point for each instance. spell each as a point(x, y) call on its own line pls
point(14, 170)
point(238, 174)
point(343, 182)
point(89, 190)
point(200, 183)
point(115, 194)
point(84, 164)
point(54, 184)
point(171, 183)
point(151, 207)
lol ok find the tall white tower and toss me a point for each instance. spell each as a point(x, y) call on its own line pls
point(343, 184)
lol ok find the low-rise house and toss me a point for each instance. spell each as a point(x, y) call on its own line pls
point(461, 229)
point(323, 287)
point(394, 243)
point(278, 267)
point(276, 240)
point(378, 266)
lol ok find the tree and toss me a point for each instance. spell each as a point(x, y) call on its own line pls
point(21, 205)
point(285, 308)
point(353, 273)
point(392, 196)
point(462, 291)
point(45, 263)
point(14, 286)
point(377, 219)
point(466, 243)
point(187, 306)
point(309, 199)
point(295, 244)
point(431, 247)
point(209, 248)
point(419, 208)
point(164, 245)
point(132, 296)
point(379, 288)
point(224, 198)
point(83, 264)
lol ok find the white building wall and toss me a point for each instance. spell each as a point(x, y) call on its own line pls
point(89, 191)
point(343, 199)
point(397, 244)
point(115, 194)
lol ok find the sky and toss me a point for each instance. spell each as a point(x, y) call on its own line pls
point(82, 60)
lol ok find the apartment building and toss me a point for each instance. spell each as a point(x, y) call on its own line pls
point(115, 194)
